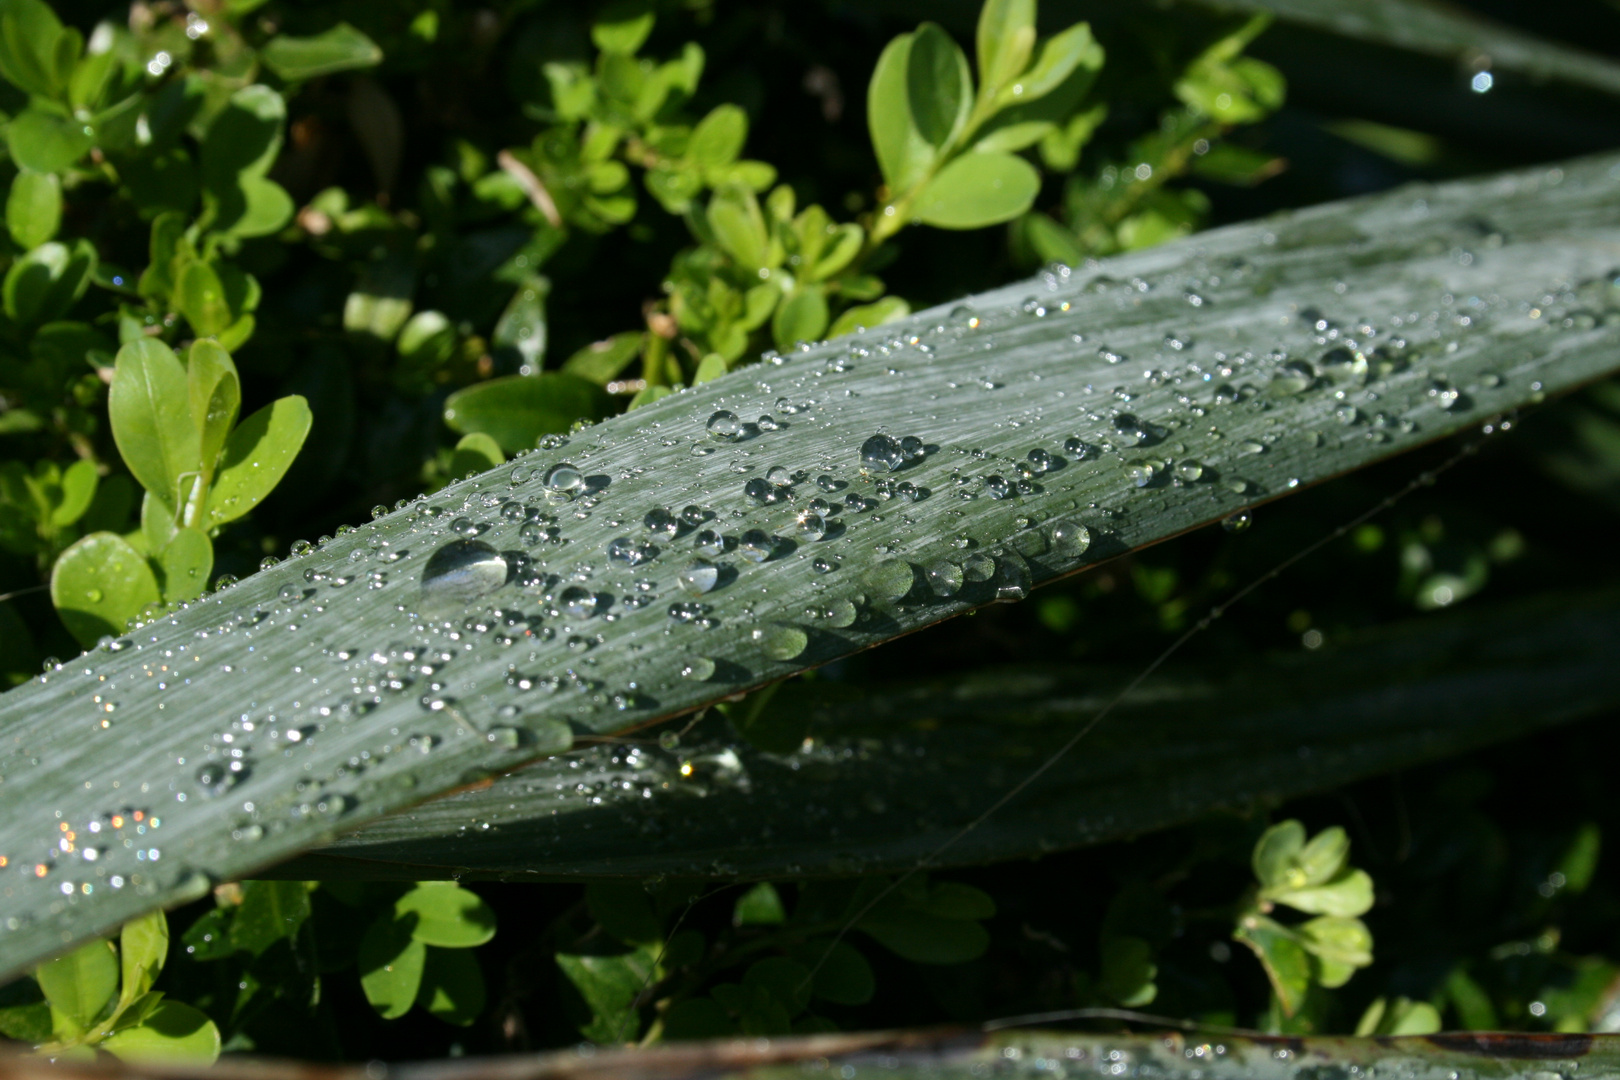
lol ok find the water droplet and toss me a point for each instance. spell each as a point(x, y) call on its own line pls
point(268, 561)
point(841, 613)
point(709, 542)
point(912, 447)
point(1039, 460)
point(767, 422)
point(462, 571)
point(777, 475)
point(1070, 538)
point(1250, 446)
point(563, 481)
point(999, 487)
point(1128, 428)
point(698, 669)
point(1293, 377)
point(824, 566)
point(1011, 578)
point(978, 567)
point(880, 453)
point(1188, 470)
point(944, 578)
point(578, 602)
point(698, 576)
point(756, 545)
point(724, 425)
point(1347, 414)
point(780, 641)
point(1142, 473)
point(811, 527)
point(1076, 448)
point(1237, 522)
point(507, 738)
point(378, 511)
point(891, 579)
point(630, 552)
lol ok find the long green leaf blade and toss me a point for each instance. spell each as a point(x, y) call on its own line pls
point(1188, 742)
point(273, 716)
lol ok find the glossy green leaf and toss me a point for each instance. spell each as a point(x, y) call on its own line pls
point(609, 985)
point(1324, 855)
point(1284, 959)
point(1557, 226)
point(903, 154)
point(270, 911)
point(24, 1013)
point(710, 367)
point(256, 456)
point(452, 986)
point(939, 87)
point(337, 48)
point(391, 966)
point(759, 906)
point(622, 26)
point(185, 564)
point(78, 491)
point(718, 138)
point(243, 138)
point(427, 339)
point(866, 316)
point(520, 334)
point(159, 523)
point(1276, 854)
point(446, 915)
point(34, 208)
point(173, 1034)
point(1343, 942)
point(739, 227)
point(80, 986)
point(252, 206)
point(45, 141)
point(475, 453)
point(215, 396)
point(517, 410)
point(1350, 894)
point(977, 190)
point(801, 317)
point(143, 945)
point(150, 408)
point(602, 361)
point(30, 34)
point(99, 584)
point(47, 281)
point(199, 296)
point(1060, 57)
point(1005, 40)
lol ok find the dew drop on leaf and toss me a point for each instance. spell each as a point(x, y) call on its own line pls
point(461, 571)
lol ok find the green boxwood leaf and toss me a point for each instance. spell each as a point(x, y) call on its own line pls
point(1126, 971)
point(270, 911)
point(46, 141)
point(977, 190)
point(843, 975)
point(1276, 853)
point(1059, 58)
point(256, 456)
point(199, 296)
point(1343, 941)
point(712, 366)
point(1005, 39)
point(339, 48)
point(24, 1013)
point(143, 945)
point(426, 340)
point(452, 986)
point(185, 563)
point(876, 313)
point(215, 395)
point(173, 1033)
point(801, 317)
point(391, 965)
point(903, 154)
point(30, 34)
point(79, 986)
point(45, 283)
point(447, 915)
point(718, 138)
point(1349, 894)
point(759, 906)
point(939, 87)
point(739, 227)
point(520, 334)
point(1324, 855)
point(475, 453)
point(253, 206)
point(34, 208)
point(609, 985)
point(622, 27)
point(842, 245)
point(381, 300)
point(78, 491)
point(149, 406)
point(517, 409)
point(1284, 959)
point(99, 584)
point(602, 361)
point(243, 138)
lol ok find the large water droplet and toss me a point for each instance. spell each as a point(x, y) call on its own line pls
point(756, 545)
point(944, 578)
point(698, 577)
point(780, 641)
point(578, 602)
point(811, 527)
point(1011, 578)
point(880, 453)
point(698, 669)
point(461, 571)
point(891, 579)
point(1070, 538)
point(709, 542)
point(724, 425)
